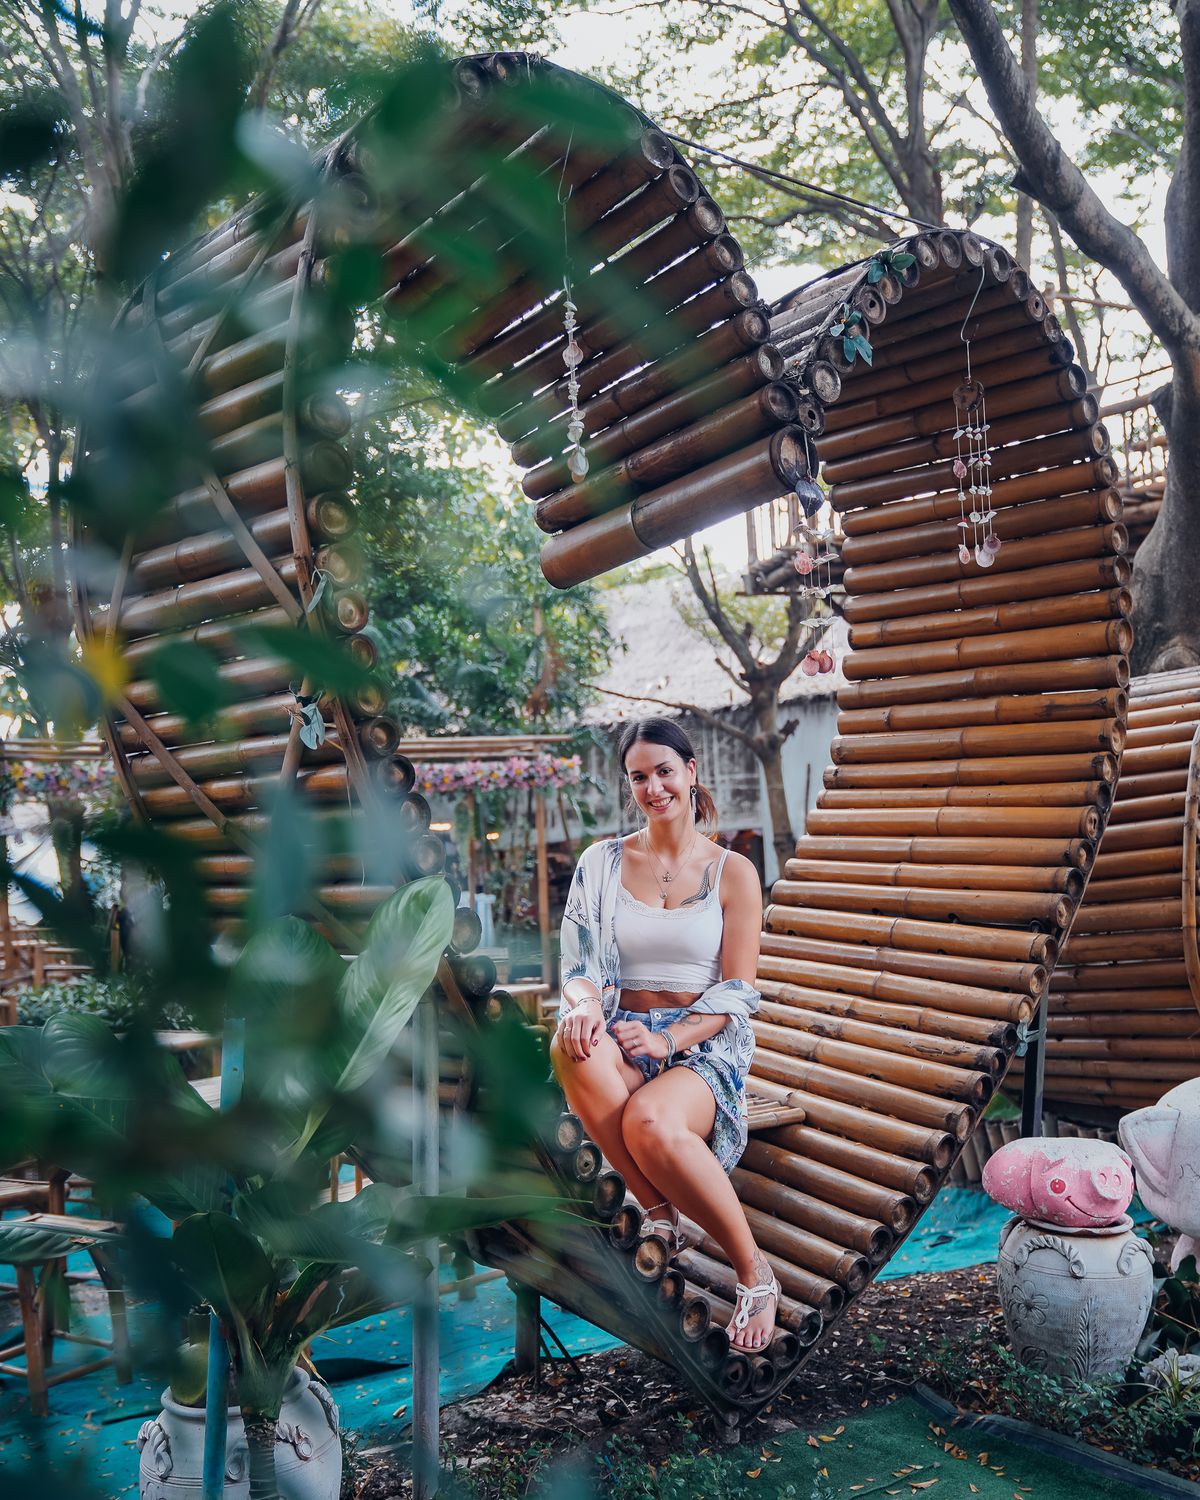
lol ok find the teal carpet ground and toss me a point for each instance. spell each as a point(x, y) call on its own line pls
point(95, 1422)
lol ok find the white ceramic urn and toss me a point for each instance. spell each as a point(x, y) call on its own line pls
point(1075, 1301)
point(308, 1451)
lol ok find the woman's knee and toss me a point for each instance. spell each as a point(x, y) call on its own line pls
point(649, 1129)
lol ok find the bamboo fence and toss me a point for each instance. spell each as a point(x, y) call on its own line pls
point(1124, 1011)
point(982, 723)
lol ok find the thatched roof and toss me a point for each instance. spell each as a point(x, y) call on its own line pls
point(657, 654)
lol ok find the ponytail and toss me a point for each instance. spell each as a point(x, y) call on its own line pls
point(704, 808)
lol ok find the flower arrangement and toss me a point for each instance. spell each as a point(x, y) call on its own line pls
point(539, 772)
point(91, 783)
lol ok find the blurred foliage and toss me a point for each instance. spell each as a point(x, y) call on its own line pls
point(119, 1000)
point(328, 1047)
point(95, 191)
point(456, 581)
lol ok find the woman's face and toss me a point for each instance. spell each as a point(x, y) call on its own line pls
point(661, 782)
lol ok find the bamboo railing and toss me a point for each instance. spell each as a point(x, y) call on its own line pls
point(981, 726)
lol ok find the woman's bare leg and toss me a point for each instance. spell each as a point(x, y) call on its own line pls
point(666, 1126)
point(598, 1089)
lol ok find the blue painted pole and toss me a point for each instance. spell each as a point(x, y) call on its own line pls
point(216, 1402)
point(425, 1362)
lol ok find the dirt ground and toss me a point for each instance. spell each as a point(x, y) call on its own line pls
point(869, 1354)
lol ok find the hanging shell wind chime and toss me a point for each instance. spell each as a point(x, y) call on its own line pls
point(973, 470)
point(573, 356)
point(813, 561)
point(577, 461)
point(972, 466)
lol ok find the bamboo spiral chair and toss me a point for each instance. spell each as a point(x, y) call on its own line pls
point(1124, 1017)
point(982, 721)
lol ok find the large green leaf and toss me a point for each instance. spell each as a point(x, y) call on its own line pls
point(381, 989)
point(423, 1218)
point(226, 1266)
point(383, 986)
point(34, 1244)
point(101, 1100)
point(332, 1234)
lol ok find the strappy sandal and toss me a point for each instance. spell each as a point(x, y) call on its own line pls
point(666, 1230)
point(744, 1311)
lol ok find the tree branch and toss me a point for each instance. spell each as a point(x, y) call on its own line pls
point(711, 605)
point(1050, 175)
point(291, 22)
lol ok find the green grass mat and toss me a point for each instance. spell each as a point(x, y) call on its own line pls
point(899, 1450)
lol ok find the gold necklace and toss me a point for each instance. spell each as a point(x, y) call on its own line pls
point(668, 875)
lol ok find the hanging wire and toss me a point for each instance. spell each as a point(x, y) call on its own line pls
point(962, 332)
point(798, 182)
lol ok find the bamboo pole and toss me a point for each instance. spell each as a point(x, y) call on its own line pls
point(1036, 582)
point(914, 1018)
point(801, 934)
point(1022, 614)
point(858, 1087)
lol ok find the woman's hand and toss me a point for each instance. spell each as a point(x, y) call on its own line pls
point(637, 1040)
point(580, 1029)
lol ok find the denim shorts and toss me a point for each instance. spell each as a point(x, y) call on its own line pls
point(712, 1063)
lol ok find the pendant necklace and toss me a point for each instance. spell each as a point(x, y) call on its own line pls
point(668, 875)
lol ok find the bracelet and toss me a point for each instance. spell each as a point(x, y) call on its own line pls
point(670, 1048)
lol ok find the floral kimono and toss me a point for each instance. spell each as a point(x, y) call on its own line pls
point(589, 951)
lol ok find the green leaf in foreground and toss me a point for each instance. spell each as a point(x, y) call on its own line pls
point(383, 986)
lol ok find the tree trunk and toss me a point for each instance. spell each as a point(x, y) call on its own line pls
point(1166, 585)
point(66, 837)
point(781, 826)
point(1029, 27)
point(769, 749)
point(1166, 579)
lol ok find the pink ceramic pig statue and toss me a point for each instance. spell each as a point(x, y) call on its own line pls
point(1075, 1183)
point(1164, 1141)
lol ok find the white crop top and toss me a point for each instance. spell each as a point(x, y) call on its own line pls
point(677, 950)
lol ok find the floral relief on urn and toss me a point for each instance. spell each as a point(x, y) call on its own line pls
point(1075, 1302)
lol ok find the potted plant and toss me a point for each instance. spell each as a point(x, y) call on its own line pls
point(247, 1241)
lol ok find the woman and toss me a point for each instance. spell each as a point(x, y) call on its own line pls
point(659, 951)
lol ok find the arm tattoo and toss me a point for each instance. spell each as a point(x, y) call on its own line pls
point(705, 886)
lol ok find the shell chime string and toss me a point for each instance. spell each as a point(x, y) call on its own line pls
point(577, 461)
point(815, 556)
point(973, 463)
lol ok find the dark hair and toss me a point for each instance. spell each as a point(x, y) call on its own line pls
point(666, 732)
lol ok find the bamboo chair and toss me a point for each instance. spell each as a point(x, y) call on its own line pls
point(36, 1294)
point(908, 946)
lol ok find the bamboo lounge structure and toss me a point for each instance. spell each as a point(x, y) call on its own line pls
point(912, 937)
point(1124, 1015)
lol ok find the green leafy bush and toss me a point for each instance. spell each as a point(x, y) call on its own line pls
point(116, 999)
point(1144, 1423)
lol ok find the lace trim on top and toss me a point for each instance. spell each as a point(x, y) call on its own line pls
point(659, 985)
point(629, 899)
